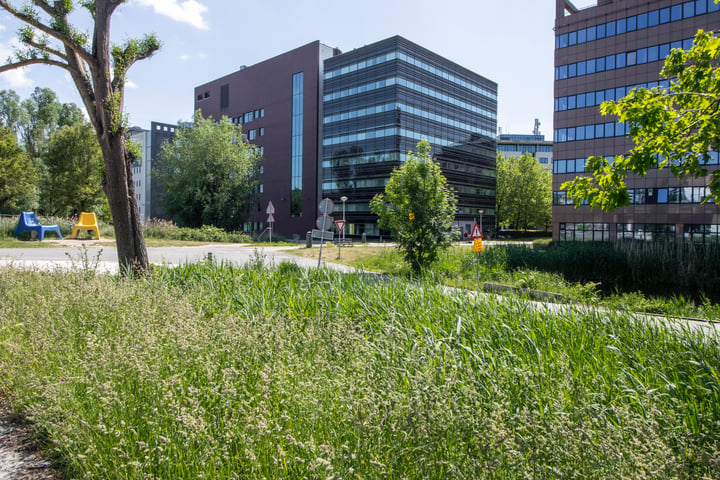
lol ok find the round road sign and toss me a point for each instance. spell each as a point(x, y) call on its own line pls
point(326, 206)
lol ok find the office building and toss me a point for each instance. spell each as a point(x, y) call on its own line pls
point(278, 102)
point(379, 101)
point(515, 145)
point(334, 125)
point(601, 53)
point(148, 192)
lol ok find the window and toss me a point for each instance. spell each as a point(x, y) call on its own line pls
point(252, 134)
point(262, 131)
point(225, 96)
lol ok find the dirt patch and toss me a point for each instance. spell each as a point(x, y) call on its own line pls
point(20, 458)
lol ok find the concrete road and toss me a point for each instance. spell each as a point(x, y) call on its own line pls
point(71, 253)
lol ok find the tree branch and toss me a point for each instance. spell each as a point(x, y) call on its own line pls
point(33, 61)
point(66, 40)
point(47, 49)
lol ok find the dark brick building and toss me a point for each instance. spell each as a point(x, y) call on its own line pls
point(601, 53)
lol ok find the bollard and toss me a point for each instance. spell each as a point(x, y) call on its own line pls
point(364, 238)
point(308, 240)
point(209, 256)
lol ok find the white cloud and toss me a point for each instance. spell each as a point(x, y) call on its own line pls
point(130, 84)
point(2, 28)
point(14, 78)
point(17, 78)
point(196, 56)
point(187, 11)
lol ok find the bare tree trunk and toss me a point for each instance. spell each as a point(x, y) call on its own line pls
point(120, 191)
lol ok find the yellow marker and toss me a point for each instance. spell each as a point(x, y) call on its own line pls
point(477, 245)
point(411, 216)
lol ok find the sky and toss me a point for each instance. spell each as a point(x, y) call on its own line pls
point(510, 42)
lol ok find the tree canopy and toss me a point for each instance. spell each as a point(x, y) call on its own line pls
point(674, 128)
point(18, 176)
point(98, 70)
point(524, 192)
point(418, 207)
point(209, 174)
point(74, 171)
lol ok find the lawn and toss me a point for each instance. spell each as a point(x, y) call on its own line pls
point(214, 371)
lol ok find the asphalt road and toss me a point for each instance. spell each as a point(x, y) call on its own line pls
point(105, 257)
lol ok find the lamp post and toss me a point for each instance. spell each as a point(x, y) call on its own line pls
point(480, 212)
point(344, 199)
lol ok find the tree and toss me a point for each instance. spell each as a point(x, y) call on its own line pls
point(209, 174)
point(98, 71)
point(524, 192)
point(74, 166)
point(43, 113)
point(418, 207)
point(674, 128)
point(12, 114)
point(18, 176)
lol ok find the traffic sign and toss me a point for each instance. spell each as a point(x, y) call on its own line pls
point(340, 224)
point(324, 222)
point(475, 233)
point(322, 234)
point(326, 206)
point(270, 210)
point(270, 218)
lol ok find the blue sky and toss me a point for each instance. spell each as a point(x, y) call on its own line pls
point(510, 42)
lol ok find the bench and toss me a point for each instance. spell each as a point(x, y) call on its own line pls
point(29, 222)
point(87, 221)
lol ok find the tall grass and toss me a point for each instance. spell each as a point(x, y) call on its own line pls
point(653, 268)
point(215, 371)
point(167, 230)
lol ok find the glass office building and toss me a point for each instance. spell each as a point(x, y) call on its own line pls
point(601, 53)
point(379, 101)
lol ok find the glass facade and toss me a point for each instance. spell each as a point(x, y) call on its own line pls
point(379, 101)
point(297, 144)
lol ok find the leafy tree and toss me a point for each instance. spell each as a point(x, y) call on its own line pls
point(75, 171)
point(418, 207)
point(43, 113)
point(673, 128)
point(209, 174)
point(524, 192)
point(12, 114)
point(18, 176)
point(98, 70)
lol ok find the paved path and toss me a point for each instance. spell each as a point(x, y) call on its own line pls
point(68, 254)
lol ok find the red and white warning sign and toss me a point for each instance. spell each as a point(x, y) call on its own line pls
point(475, 232)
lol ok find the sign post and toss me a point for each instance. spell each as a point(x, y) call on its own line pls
point(340, 225)
point(324, 222)
point(477, 236)
point(270, 210)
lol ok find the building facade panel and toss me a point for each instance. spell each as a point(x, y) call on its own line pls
point(636, 37)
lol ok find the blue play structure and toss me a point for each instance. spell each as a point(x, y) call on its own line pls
point(28, 221)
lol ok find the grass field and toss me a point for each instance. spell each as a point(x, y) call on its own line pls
point(211, 371)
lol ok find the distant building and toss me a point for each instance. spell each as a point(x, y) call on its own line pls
point(148, 193)
point(601, 53)
point(515, 145)
point(334, 124)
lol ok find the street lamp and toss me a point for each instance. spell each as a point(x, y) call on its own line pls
point(344, 199)
point(480, 212)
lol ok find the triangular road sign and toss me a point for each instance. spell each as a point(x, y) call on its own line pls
point(476, 233)
point(340, 224)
